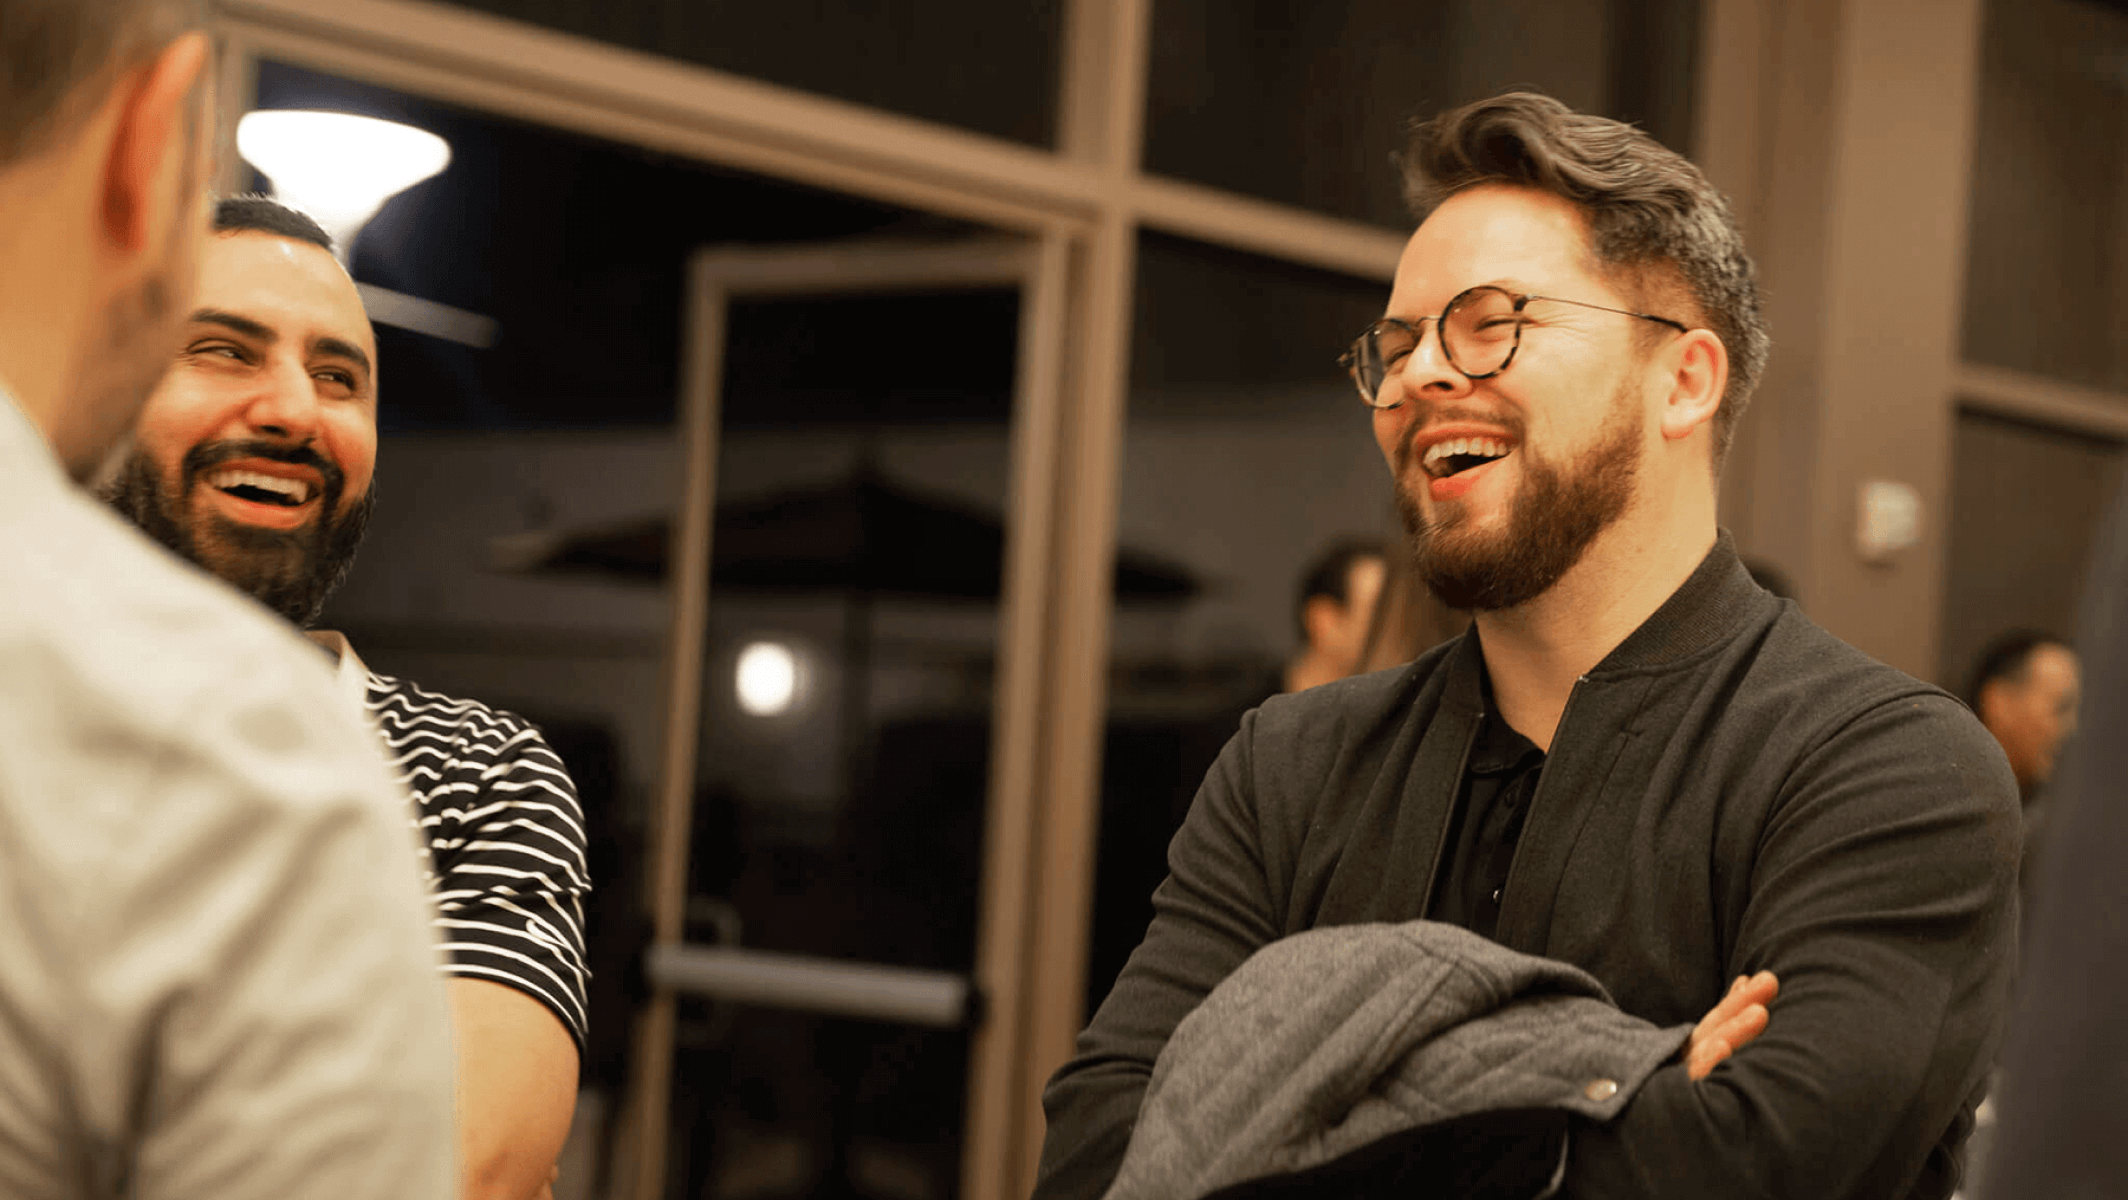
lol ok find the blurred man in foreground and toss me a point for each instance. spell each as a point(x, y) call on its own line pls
point(255, 459)
point(1637, 764)
point(215, 962)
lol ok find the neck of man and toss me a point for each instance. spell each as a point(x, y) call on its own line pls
point(1534, 653)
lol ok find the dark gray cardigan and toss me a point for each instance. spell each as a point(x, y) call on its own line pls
point(1331, 1050)
point(1732, 789)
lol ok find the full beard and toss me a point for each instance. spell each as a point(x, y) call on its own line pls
point(1551, 520)
point(292, 571)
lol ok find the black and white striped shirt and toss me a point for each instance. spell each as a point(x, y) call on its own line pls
point(505, 836)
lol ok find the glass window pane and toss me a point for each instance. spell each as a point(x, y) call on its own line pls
point(574, 248)
point(517, 555)
point(1246, 452)
point(2047, 258)
point(1303, 101)
point(986, 67)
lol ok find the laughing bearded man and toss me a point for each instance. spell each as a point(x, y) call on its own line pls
point(254, 460)
point(1636, 763)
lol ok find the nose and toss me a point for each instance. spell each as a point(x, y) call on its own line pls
point(1426, 372)
point(284, 404)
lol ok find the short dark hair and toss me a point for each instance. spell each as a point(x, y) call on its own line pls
point(1648, 208)
point(51, 49)
point(263, 214)
point(1329, 573)
point(2006, 658)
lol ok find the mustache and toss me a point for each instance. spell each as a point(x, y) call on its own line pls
point(208, 455)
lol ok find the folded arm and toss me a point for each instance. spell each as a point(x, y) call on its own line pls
point(516, 1089)
point(1883, 899)
point(1212, 912)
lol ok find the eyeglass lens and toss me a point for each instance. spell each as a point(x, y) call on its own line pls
point(1479, 331)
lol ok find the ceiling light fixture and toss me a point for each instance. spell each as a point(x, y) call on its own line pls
point(338, 167)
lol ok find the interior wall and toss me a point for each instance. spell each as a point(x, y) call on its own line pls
point(2026, 506)
point(1863, 168)
point(2048, 253)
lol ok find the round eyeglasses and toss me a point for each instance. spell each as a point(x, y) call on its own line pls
point(1480, 331)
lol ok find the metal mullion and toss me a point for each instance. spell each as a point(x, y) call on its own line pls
point(236, 93)
point(2023, 396)
point(998, 1079)
point(1272, 230)
point(606, 91)
point(714, 277)
point(700, 408)
point(1106, 57)
point(877, 156)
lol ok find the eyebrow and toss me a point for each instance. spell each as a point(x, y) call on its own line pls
point(238, 323)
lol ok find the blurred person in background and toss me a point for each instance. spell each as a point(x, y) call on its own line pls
point(1334, 610)
point(1637, 763)
point(2058, 1127)
point(1408, 619)
point(2024, 687)
point(216, 967)
point(255, 459)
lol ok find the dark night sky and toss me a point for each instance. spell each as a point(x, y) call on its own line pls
point(577, 247)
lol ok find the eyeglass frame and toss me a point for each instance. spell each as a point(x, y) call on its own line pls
point(1350, 359)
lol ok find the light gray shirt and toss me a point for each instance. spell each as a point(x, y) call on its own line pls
point(216, 972)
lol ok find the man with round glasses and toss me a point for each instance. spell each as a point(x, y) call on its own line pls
point(1636, 761)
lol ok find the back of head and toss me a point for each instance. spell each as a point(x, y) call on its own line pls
point(2004, 659)
point(1329, 574)
point(263, 214)
point(1656, 225)
point(50, 50)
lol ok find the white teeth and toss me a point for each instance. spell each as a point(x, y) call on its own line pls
point(1478, 447)
point(295, 489)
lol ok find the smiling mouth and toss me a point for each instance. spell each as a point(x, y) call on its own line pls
point(260, 488)
point(1457, 455)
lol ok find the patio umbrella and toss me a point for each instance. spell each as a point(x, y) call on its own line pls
point(860, 535)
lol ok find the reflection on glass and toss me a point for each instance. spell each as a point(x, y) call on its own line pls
point(1304, 102)
point(847, 698)
point(1245, 457)
point(518, 555)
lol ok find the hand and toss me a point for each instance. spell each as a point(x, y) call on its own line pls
point(1730, 1025)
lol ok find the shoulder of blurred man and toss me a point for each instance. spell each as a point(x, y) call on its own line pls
point(200, 844)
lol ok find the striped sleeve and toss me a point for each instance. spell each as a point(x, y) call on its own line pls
point(505, 835)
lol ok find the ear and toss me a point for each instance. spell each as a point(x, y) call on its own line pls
point(1696, 370)
point(1320, 616)
point(150, 141)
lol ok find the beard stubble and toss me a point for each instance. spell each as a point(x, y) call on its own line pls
point(1551, 521)
point(292, 572)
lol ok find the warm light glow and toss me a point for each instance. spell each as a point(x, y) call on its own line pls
point(768, 678)
point(338, 167)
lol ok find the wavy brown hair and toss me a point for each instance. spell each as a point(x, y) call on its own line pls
point(1656, 226)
